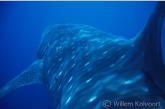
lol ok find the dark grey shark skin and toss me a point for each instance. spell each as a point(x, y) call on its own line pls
point(82, 66)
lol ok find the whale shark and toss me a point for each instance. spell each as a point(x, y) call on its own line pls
point(84, 67)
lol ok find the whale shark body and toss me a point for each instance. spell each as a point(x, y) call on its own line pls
point(83, 67)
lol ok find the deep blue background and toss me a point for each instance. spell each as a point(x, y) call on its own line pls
point(22, 24)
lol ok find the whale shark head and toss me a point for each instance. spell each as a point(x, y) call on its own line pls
point(84, 67)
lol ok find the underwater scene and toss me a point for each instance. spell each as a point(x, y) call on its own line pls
point(82, 55)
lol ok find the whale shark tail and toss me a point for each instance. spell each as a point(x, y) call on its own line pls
point(148, 42)
point(33, 74)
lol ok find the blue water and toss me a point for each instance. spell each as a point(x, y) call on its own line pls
point(22, 24)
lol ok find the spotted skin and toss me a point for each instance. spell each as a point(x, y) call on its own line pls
point(90, 66)
point(82, 66)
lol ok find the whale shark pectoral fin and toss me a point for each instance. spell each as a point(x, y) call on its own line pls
point(33, 74)
point(148, 43)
